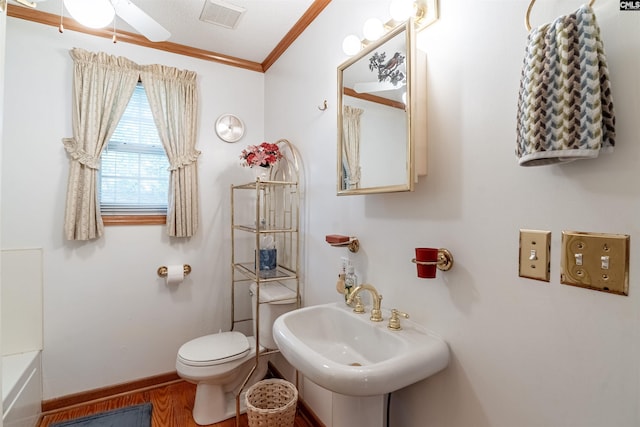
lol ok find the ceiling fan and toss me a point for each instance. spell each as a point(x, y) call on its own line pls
point(100, 13)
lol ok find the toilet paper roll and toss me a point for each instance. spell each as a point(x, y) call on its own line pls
point(175, 274)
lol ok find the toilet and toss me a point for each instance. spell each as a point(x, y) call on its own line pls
point(219, 363)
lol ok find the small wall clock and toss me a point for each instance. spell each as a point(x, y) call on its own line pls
point(229, 128)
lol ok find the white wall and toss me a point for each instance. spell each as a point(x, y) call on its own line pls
point(108, 317)
point(3, 30)
point(524, 353)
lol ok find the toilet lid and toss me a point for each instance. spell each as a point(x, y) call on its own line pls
point(214, 349)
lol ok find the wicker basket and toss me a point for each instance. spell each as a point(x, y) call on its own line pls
point(271, 403)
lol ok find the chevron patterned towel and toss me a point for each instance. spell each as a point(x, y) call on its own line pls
point(565, 109)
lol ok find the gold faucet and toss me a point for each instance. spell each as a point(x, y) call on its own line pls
point(376, 313)
point(394, 320)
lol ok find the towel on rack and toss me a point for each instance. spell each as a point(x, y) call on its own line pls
point(565, 108)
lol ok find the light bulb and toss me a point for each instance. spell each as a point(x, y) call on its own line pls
point(373, 29)
point(401, 10)
point(351, 45)
point(91, 13)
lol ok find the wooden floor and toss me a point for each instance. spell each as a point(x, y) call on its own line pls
point(172, 405)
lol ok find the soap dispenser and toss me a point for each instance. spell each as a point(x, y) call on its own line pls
point(350, 281)
point(340, 283)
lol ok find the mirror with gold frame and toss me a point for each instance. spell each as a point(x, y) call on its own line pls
point(381, 120)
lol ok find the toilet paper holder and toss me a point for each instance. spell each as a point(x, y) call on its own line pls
point(163, 271)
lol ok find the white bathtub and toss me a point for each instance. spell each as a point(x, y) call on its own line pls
point(21, 389)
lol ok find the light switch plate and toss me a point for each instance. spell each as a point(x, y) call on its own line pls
point(596, 261)
point(535, 249)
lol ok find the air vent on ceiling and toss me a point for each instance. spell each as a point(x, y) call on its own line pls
point(221, 13)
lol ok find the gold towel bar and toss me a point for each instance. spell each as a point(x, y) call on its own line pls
point(163, 271)
point(526, 18)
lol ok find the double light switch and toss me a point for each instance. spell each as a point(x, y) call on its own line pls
point(595, 261)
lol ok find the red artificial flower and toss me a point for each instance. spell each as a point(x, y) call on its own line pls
point(264, 155)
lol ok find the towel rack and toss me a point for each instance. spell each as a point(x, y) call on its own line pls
point(526, 18)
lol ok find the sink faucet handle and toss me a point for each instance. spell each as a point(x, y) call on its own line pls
point(394, 320)
point(359, 307)
point(376, 313)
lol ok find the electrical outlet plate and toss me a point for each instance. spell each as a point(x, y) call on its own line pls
point(535, 249)
point(596, 261)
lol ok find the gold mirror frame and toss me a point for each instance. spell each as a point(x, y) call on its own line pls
point(428, 13)
point(414, 122)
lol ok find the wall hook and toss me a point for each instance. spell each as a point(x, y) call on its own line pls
point(324, 106)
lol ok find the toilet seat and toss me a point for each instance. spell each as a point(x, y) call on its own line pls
point(214, 349)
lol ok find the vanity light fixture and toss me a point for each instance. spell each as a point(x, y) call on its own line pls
point(351, 45)
point(424, 12)
point(373, 29)
point(401, 10)
point(91, 13)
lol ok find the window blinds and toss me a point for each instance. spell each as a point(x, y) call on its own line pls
point(134, 176)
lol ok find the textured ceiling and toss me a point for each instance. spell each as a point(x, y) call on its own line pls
point(264, 24)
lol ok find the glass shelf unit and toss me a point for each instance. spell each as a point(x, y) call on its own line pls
point(265, 211)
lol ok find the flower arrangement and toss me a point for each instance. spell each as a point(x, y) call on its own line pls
point(264, 155)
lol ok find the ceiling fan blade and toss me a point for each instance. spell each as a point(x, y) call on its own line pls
point(139, 20)
point(368, 87)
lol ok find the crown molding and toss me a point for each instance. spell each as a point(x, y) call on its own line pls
point(53, 20)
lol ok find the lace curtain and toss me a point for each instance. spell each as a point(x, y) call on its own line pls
point(102, 87)
point(351, 145)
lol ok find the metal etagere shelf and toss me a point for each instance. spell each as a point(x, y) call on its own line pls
point(263, 208)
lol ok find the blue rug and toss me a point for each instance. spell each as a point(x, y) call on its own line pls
point(131, 416)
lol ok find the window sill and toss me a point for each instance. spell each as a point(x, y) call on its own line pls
point(134, 219)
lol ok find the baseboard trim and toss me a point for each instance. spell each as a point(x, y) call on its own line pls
point(303, 409)
point(107, 392)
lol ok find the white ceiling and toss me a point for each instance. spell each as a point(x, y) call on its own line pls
point(261, 28)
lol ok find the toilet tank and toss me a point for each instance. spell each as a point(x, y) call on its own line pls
point(275, 300)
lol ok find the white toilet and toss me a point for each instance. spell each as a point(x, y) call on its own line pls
point(219, 363)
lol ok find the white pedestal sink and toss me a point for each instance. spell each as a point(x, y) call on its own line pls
point(347, 353)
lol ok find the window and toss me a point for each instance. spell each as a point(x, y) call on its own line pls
point(134, 175)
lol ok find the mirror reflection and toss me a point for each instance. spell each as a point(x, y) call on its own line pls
point(374, 135)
